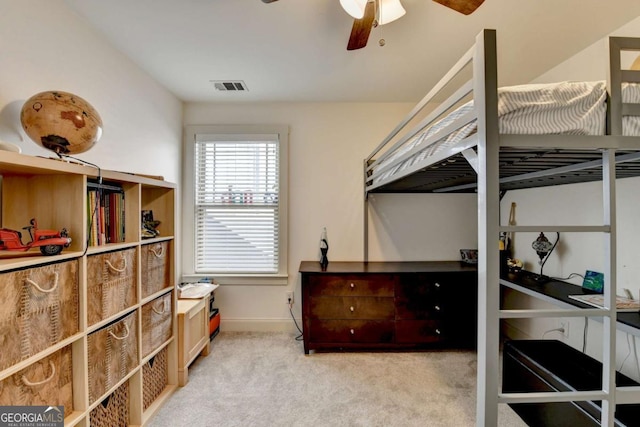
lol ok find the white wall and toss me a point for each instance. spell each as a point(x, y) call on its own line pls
point(579, 204)
point(592, 62)
point(327, 146)
point(46, 46)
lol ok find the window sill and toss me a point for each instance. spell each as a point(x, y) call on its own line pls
point(241, 279)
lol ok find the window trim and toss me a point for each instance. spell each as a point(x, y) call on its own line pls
point(188, 203)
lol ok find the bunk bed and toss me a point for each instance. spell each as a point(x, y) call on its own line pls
point(467, 144)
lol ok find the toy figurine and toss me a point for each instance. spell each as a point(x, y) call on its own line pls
point(50, 242)
point(149, 225)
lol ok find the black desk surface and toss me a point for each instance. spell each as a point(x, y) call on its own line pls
point(560, 291)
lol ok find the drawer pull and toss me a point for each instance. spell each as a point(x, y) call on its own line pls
point(437, 307)
point(125, 336)
point(352, 309)
point(352, 332)
point(352, 286)
point(164, 308)
point(438, 331)
point(28, 383)
point(119, 270)
point(158, 254)
point(45, 291)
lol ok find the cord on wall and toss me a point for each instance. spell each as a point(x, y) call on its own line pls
point(561, 330)
point(299, 337)
point(95, 209)
point(628, 354)
point(570, 276)
point(635, 353)
point(584, 335)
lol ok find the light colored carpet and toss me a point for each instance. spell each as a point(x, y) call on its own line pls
point(264, 379)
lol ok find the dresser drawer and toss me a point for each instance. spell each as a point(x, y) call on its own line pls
point(381, 285)
point(352, 331)
point(433, 296)
point(420, 331)
point(379, 308)
point(421, 301)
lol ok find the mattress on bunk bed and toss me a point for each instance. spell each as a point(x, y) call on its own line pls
point(631, 95)
point(577, 108)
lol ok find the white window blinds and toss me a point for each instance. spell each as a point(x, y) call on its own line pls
point(236, 204)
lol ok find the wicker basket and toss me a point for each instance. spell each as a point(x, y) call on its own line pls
point(113, 353)
point(155, 267)
point(113, 411)
point(157, 323)
point(154, 378)
point(46, 382)
point(38, 308)
point(111, 284)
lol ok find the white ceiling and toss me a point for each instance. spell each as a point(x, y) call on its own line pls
point(295, 50)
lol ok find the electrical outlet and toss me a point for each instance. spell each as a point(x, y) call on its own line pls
point(564, 325)
point(289, 297)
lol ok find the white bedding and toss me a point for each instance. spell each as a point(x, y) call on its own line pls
point(577, 108)
point(631, 94)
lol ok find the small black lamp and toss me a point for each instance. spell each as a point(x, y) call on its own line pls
point(543, 248)
point(324, 248)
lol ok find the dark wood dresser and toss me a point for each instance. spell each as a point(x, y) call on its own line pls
point(389, 305)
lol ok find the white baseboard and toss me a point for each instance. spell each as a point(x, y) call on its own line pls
point(259, 325)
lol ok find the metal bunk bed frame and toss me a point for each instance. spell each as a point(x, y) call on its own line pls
point(574, 160)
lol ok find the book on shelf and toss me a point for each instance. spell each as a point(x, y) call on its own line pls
point(597, 300)
point(105, 208)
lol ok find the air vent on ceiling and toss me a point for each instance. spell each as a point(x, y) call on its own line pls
point(230, 85)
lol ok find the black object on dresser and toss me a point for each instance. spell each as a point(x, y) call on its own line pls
point(389, 305)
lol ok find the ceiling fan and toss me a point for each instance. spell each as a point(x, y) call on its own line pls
point(371, 13)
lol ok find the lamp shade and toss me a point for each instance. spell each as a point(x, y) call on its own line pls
point(389, 11)
point(542, 246)
point(354, 8)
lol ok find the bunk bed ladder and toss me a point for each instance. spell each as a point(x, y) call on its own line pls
point(489, 313)
point(617, 109)
point(607, 395)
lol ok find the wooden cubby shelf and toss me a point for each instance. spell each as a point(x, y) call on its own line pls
point(65, 316)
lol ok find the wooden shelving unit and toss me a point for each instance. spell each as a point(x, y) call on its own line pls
point(55, 193)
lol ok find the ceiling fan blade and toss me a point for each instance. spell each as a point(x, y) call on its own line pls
point(466, 7)
point(362, 27)
point(268, 1)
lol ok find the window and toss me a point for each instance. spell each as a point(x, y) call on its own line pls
point(238, 196)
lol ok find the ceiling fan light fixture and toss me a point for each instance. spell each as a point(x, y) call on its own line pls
point(389, 11)
point(354, 8)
